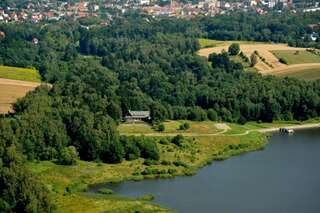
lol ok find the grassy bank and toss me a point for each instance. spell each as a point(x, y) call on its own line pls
point(309, 74)
point(67, 183)
point(22, 74)
point(296, 57)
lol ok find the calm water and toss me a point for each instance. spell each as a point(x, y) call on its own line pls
point(284, 178)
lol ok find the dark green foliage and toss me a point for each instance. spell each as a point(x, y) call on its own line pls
point(177, 140)
point(161, 127)
point(253, 59)
point(184, 126)
point(130, 146)
point(282, 60)
point(148, 149)
point(19, 190)
point(135, 147)
point(105, 191)
point(212, 115)
point(234, 49)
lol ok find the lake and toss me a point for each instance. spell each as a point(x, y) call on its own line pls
point(285, 177)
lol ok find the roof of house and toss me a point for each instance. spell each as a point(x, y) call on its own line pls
point(139, 114)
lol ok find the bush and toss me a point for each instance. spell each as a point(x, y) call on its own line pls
point(105, 191)
point(166, 163)
point(177, 140)
point(161, 127)
point(68, 156)
point(283, 61)
point(184, 126)
point(149, 162)
point(234, 49)
point(164, 141)
point(148, 149)
point(253, 59)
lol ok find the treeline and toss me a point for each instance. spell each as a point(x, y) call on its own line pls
point(285, 27)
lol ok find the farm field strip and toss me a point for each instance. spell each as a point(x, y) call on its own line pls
point(271, 54)
point(11, 90)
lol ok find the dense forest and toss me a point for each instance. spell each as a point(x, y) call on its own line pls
point(136, 63)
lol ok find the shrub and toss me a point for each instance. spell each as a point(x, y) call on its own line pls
point(283, 61)
point(150, 162)
point(68, 156)
point(164, 141)
point(161, 127)
point(180, 163)
point(234, 49)
point(148, 149)
point(253, 60)
point(177, 140)
point(184, 126)
point(166, 163)
point(105, 191)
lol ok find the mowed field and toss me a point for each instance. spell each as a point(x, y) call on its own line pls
point(22, 74)
point(14, 84)
point(299, 60)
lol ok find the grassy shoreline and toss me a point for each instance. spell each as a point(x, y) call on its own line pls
point(68, 183)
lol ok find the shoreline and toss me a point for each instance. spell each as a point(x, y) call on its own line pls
point(294, 127)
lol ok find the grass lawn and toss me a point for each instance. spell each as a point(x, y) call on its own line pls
point(205, 43)
point(207, 127)
point(301, 58)
point(306, 74)
point(23, 74)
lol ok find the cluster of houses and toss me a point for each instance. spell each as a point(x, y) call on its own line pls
point(48, 10)
point(58, 9)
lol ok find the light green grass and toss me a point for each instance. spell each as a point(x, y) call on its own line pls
point(205, 43)
point(23, 74)
point(207, 127)
point(301, 58)
point(307, 74)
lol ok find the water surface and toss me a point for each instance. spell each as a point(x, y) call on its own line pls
point(283, 178)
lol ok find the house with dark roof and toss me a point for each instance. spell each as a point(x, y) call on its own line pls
point(134, 116)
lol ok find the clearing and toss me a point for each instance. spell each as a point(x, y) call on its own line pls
point(299, 60)
point(297, 57)
point(11, 90)
point(22, 74)
point(15, 83)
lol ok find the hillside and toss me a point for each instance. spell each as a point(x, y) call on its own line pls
point(299, 62)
